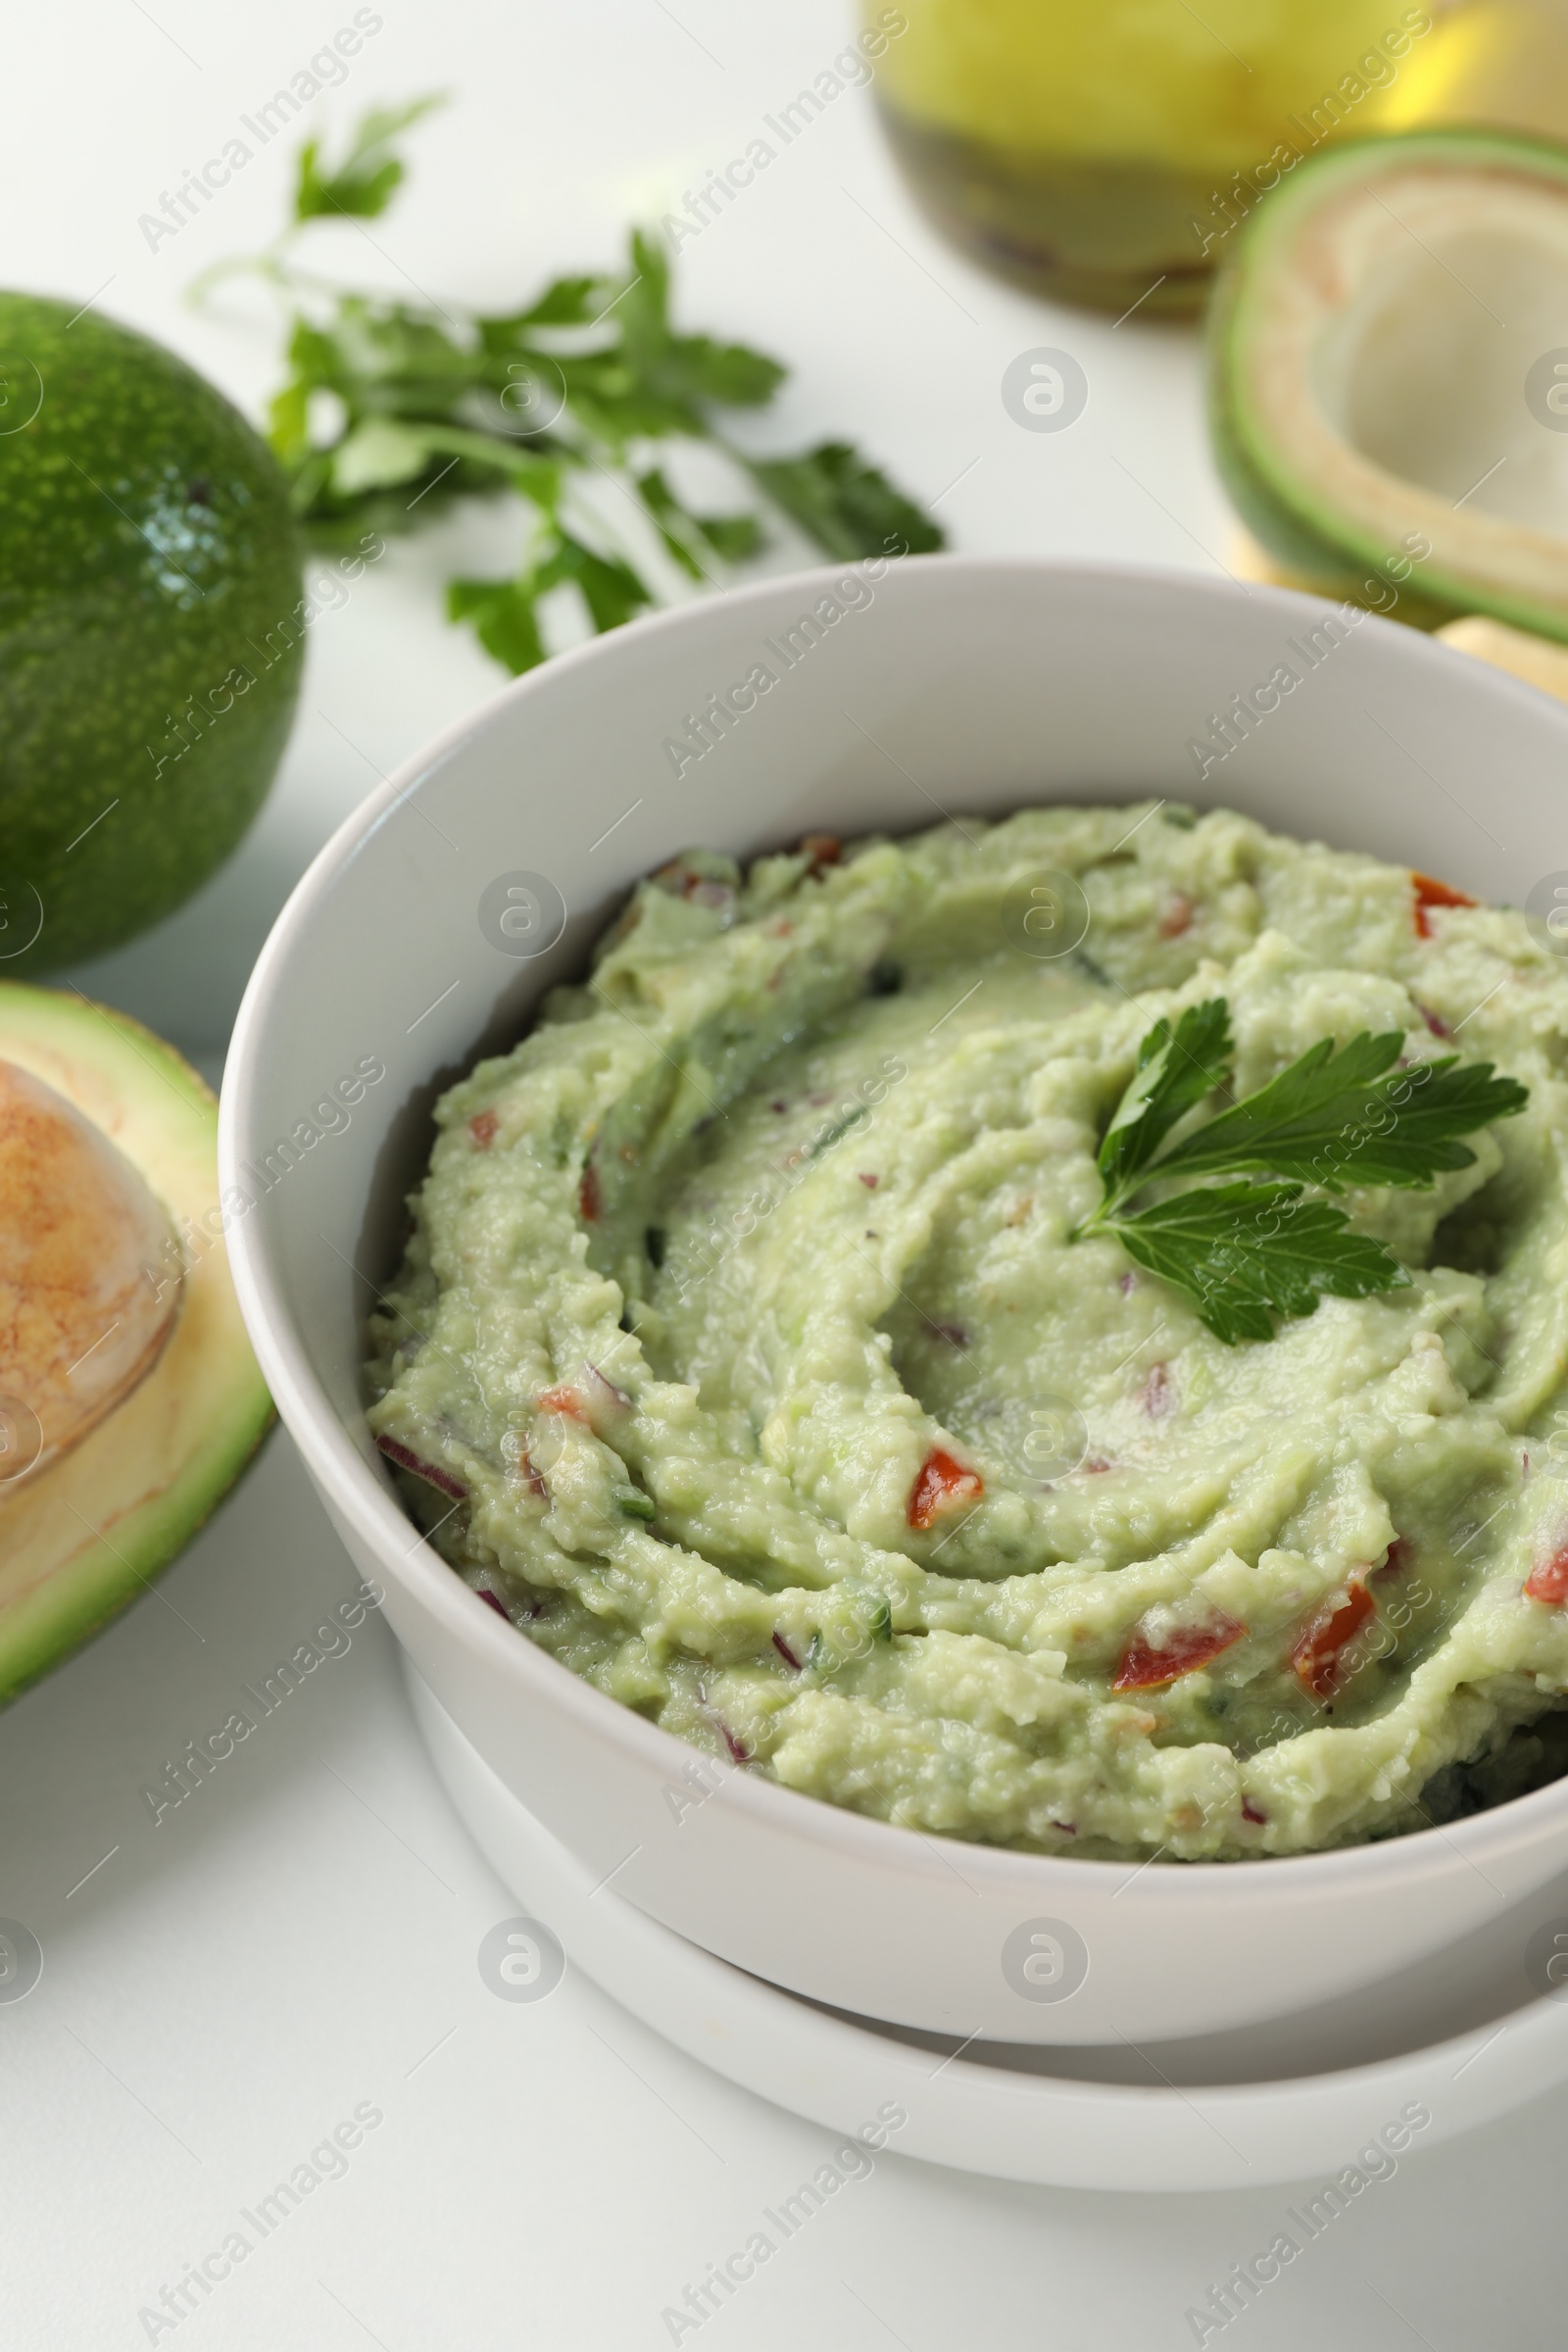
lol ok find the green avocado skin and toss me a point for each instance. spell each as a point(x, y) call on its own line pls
point(1313, 546)
point(151, 640)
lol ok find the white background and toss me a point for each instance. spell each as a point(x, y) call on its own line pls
point(300, 1937)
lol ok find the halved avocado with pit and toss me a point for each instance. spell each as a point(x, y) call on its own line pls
point(129, 1398)
point(1383, 355)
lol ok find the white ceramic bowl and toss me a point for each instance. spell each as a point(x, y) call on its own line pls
point(951, 683)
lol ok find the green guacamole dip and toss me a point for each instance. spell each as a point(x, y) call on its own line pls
point(744, 1354)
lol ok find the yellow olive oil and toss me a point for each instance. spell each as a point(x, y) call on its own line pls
point(1102, 151)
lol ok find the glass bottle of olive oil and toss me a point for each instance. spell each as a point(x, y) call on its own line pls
point(1102, 151)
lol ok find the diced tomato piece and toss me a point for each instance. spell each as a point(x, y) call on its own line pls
point(1430, 894)
point(1143, 1667)
point(1319, 1654)
point(564, 1400)
point(430, 1472)
point(482, 1127)
point(1547, 1581)
point(590, 1201)
point(1250, 1811)
point(822, 848)
point(941, 1485)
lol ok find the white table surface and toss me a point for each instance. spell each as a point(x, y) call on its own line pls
point(299, 1939)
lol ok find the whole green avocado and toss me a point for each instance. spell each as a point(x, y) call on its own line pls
point(151, 639)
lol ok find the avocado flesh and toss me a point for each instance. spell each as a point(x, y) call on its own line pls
point(1370, 346)
point(82, 1533)
point(151, 638)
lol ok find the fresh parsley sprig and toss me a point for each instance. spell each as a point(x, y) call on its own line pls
point(579, 387)
point(1173, 1074)
point(1249, 1252)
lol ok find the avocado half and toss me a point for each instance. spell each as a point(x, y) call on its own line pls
point(152, 630)
point(1385, 398)
point(129, 1398)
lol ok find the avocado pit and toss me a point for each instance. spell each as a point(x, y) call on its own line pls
point(90, 1286)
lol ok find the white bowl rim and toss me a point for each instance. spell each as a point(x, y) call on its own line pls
point(344, 1471)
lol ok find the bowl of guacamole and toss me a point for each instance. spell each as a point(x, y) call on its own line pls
point(953, 1324)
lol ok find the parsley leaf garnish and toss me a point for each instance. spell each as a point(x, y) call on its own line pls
point(1174, 1072)
point(1249, 1252)
point(562, 403)
point(1346, 1116)
point(1246, 1254)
